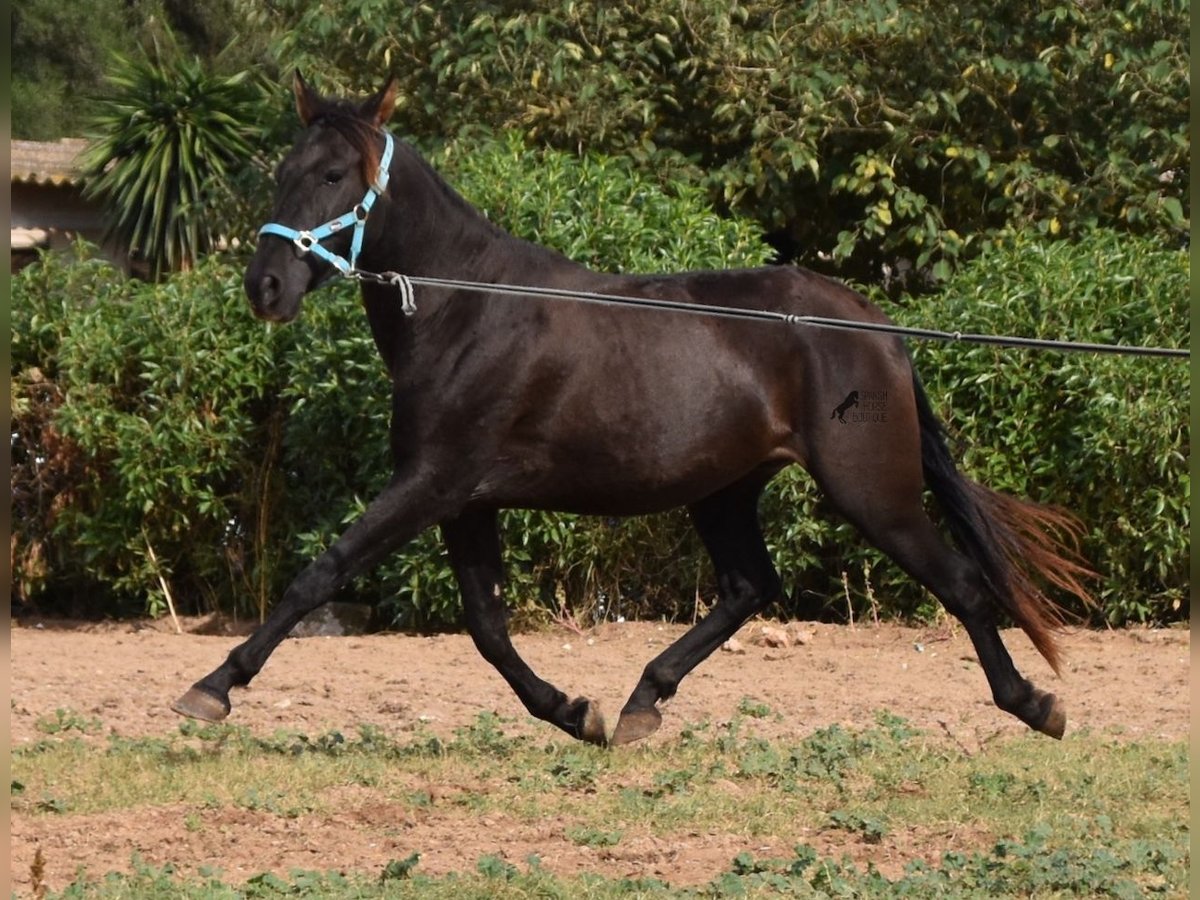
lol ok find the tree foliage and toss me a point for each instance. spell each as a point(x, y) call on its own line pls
point(888, 138)
point(61, 51)
point(890, 132)
point(166, 136)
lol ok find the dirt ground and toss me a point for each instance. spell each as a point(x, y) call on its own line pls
point(1131, 683)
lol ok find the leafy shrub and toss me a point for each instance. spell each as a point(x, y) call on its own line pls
point(857, 133)
point(166, 417)
point(156, 430)
point(1105, 437)
point(601, 211)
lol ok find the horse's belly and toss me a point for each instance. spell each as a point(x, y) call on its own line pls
point(604, 498)
point(592, 479)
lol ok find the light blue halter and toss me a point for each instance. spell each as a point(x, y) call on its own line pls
point(310, 241)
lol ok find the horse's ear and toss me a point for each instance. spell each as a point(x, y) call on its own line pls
point(379, 106)
point(307, 100)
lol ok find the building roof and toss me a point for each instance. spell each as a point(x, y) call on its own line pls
point(52, 163)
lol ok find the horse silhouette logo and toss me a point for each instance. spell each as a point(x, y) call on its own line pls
point(840, 410)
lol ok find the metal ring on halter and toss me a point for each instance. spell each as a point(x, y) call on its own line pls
point(304, 240)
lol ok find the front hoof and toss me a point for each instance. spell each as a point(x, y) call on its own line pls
point(198, 703)
point(587, 721)
point(635, 725)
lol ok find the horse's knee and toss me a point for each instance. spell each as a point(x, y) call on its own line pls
point(969, 609)
point(495, 648)
point(742, 594)
point(487, 622)
point(967, 597)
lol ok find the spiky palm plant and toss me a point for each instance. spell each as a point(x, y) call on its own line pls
point(162, 140)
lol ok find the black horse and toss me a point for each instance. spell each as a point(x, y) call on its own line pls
point(501, 401)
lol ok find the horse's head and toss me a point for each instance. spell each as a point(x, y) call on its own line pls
point(324, 178)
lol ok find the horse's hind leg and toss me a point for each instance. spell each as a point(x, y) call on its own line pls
point(959, 584)
point(474, 544)
point(728, 524)
point(887, 510)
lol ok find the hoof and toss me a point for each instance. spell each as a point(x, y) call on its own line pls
point(591, 727)
point(200, 704)
point(635, 725)
point(586, 722)
point(1054, 722)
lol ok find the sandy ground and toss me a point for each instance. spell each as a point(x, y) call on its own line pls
point(1130, 683)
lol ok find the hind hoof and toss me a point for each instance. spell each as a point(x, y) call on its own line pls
point(1055, 721)
point(200, 704)
point(635, 725)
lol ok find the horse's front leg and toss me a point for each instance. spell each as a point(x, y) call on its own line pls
point(474, 544)
point(399, 513)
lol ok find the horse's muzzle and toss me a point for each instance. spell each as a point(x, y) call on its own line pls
point(271, 297)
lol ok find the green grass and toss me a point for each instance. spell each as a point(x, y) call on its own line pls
point(1090, 816)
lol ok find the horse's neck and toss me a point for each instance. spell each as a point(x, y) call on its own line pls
point(433, 231)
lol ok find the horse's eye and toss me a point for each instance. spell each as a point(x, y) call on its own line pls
point(333, 176)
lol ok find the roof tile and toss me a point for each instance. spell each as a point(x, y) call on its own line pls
point(40, 162)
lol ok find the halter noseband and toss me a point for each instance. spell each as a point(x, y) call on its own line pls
point(310, 241)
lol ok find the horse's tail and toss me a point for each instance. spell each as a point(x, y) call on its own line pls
point(1013, 541)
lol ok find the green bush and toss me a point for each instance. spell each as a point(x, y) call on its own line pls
point(602, 211)
point(1104, 436)
point(165, 416)
point(140, 415)
point(859, 134)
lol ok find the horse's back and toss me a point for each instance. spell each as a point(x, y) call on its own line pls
point(617, 409)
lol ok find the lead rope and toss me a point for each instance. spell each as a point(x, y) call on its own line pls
point(310, 242)
point(405, 284)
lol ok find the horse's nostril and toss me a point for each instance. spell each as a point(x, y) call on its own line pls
point(260, 289)
point(268, 289)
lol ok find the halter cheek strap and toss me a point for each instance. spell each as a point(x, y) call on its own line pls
point(310, 241)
